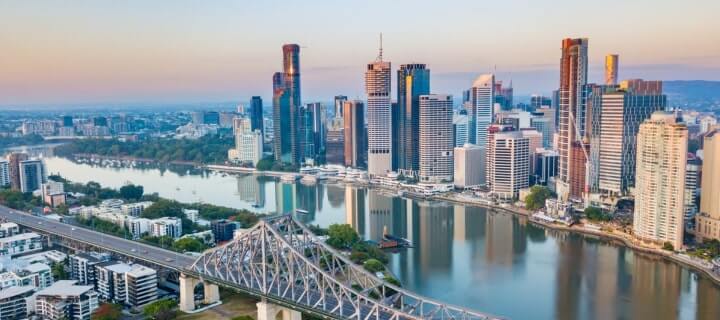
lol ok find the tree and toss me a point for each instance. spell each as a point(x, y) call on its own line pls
point(59, 272)
point(107, 311)
point(595, 214)
point(342, 236)
point(189, 244)
point(536, 199)
point(265, 164)
point(131, 192)
point(163, 208)
point(160, 310)
point(373, 265)
point(668, 246)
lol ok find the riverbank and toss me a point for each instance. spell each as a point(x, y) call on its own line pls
point(136, 159)
point(702, 266)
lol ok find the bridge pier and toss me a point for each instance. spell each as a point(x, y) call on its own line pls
point(187, 293)
point(269, 311)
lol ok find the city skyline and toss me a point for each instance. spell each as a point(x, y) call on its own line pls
point(151, 53)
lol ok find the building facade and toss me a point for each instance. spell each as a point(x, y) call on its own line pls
point(508, 163)
point(481, 110)
point(413, 80)
point(469, 168)
point(379, 117)
point(660, 181)
point(707, 225)
point(436, 138)
point(355, 134)
point(286, 105)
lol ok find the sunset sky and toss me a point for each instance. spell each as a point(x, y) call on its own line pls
point(65, 52)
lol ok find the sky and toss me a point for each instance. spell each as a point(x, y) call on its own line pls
point(101, 51)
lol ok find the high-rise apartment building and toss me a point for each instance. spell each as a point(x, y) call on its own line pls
point(660, 182)
point(611, 69)
point(129, 284)
point(413, 80)
point(692, 185)
point(379, 117)
point(571, 126)
point(355, 137)
point(256, 114)
point(14, 160)
point(481, 110)
point(286, 105)
point(614, 116)
point(707, 224)
point(4, 173)
point(66, 300)
point(248, 142)
point(436, 138)
point(32, 175)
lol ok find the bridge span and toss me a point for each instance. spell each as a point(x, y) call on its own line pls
point(281, 262)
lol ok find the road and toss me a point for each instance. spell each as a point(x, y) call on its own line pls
point(134, 249)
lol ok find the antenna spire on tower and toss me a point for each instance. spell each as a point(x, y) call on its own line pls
point(380, 53)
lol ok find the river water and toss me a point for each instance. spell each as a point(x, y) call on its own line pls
point(468, 256)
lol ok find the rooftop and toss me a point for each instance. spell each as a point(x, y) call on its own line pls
point(64, 288)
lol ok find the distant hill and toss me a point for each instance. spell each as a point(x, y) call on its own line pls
point(700, 92)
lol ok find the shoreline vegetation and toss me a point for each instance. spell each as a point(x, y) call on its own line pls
point(205, 150)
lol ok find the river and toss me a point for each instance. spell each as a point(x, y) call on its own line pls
point(468, 256)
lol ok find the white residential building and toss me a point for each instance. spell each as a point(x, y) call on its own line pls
point(469, 166)
point(135, 209)
point(19, 273)
point(660, 181)
point(16, 302)
point(20, 244)
point(8, 229)
point(66, 300)
point(167, 226)
point(129, 284)
point(4, 172)
point(248, 143)
point(192, 214)
point(436, 138)
point(508, 164)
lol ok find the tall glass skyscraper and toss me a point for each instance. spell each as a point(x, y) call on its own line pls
point(256, 113)
point(413, 81)
point(286, 105)
point(482, 98)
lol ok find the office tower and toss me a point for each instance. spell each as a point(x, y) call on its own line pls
point(413, 80)
point(543, 125)
point(355, 138)
point(379, 122)
point(611, 69)
point(286, 102)
point(335, 151)
point(535, 142)
point(4, 173)
point(66, 300)
point(248, 142)
point(14, 160)
point(692, 179)
point(461, 126)
point(339, 103)
point(481, 108)
point(573, 78)
point(32, 175)
point(545, 166)
point(256, 114)
point(614, 115)
point(508, 163)
point(539, 101)
point(436, 138)
point(503, 96)
point(708, 220)
point(307, 134)
point(469, 168)
point(660, 182)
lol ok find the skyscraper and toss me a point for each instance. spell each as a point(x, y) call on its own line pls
point(339, 103)
point(503, 95)
point(377, 87)
point(286, 105)
point(615, 115)
point(708, 220)
point(611, 69)
point(14, 160)
point(461, 126)
point(413, 80)
point(508, 162)
point(481, 104)
point(248, 142)
point(573, 78)
point(355, 135)
point(32, 175)
point(436, 138)
point(660, 182)
point(256, 113)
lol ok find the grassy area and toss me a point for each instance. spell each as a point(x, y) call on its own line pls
point(234, 305)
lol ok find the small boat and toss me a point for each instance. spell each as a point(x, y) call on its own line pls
point(301, 211)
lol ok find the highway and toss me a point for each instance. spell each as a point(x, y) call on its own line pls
point(166, 258)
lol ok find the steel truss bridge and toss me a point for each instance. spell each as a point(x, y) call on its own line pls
point(281, 260)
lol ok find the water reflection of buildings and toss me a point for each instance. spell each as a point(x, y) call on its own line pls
point(355, 208)
point(285, 197)
point(336, 195)
point(381, 215)
point(250, 189)
point(435, 236)
point(307, 200)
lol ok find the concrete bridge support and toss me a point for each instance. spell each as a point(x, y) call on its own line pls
point(187, 293)
point(269, 311)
